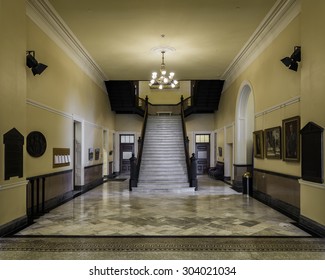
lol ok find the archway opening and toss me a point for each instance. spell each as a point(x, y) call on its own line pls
point(245, 123)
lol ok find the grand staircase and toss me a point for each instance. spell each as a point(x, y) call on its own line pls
point(163, 164)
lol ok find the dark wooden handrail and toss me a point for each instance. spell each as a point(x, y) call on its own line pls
point(136, 162)
point(143, 131)
point(186, 141)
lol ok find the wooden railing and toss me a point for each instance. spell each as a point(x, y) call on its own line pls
point(143, 132)
point(136, 161)
point(186, 140)
point(157, 109)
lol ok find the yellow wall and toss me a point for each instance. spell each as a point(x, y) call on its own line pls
point(168, 96)
point(312, 96)
point(313, 57)
point(126, 122)
point(312, 199)
point(57, 130)
point(272, 84)
point(196, 124)
point(64, 93)
point(12, 105)
point(48, 103)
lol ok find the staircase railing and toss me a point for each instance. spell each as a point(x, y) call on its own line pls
point(186, 140)
point(136, 162)
point(164, 109)
point(154, 109)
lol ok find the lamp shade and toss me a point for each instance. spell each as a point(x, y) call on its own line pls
point(31, 61)
point(294, 66)
point(286, 61)
point(39, 68)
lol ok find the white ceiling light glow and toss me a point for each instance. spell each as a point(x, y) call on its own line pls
point(163, 81)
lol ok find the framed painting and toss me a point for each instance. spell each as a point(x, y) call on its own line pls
point(90, 154)
point(272, 137)
point(258, 144)
point(97, 152)
point(220, 151)
point(291, 139)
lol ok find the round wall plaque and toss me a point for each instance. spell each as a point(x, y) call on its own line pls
point(36, 144)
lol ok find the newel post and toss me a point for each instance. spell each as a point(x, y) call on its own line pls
point(193, 183)
point(133, 182)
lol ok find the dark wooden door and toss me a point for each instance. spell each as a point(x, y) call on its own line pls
point(203, 157)
point(126, 150)
point(202, 152)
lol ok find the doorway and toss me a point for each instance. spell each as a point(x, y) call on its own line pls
point(126, 151)
point(105, 154)
point(202, 152)
point(244, 127)
point(78, 176)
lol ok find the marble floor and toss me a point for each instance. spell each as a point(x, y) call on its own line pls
point(214, 210)
point(109, 222)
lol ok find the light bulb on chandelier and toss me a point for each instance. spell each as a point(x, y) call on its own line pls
point(163, 81)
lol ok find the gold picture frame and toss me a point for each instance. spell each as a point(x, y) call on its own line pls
point(291, 139)
point(258, 139)
point(273, 143)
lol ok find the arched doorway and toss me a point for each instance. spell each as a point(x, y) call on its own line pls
point(244, 127)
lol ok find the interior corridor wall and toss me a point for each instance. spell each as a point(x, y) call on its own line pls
point(61, 94)
point(165, 96)
point(272, 84)
point(13, 102)
point(200, 124)
point(313, 98)
point(276, 91)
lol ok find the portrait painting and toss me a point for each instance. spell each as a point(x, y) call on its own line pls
point(291, 139)
point(272, 137)
point(258, 144)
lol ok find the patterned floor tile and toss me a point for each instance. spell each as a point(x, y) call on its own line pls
point(214, 210)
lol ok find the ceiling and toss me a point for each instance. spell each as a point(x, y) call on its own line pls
point(202, 37)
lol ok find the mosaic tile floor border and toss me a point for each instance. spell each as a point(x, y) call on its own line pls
point(147, 244)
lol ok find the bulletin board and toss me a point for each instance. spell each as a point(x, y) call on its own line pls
point(61, 157)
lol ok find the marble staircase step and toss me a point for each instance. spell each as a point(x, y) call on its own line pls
point(163, 163)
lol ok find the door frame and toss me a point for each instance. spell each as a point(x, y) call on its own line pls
point(78, 134)
point(121, 151)
point(212, 148)
point(105, 152)
point(117, 160)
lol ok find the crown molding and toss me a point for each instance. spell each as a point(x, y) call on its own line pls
point(48, 20)
point(282, 13)
point(42, 13)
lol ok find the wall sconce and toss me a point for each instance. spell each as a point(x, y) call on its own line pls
point(31, 62)
point(292, 61)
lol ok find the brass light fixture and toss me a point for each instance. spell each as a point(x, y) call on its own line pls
point(163, 81)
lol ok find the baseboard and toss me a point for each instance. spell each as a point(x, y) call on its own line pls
point(13, 226)
point(292, 212)
point(283, 207)
point(89, 186)
point(312, 226)
point(237, 186)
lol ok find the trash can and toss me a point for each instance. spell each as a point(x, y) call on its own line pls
point(247, 183)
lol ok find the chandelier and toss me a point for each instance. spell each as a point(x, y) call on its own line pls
point(163, 81)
